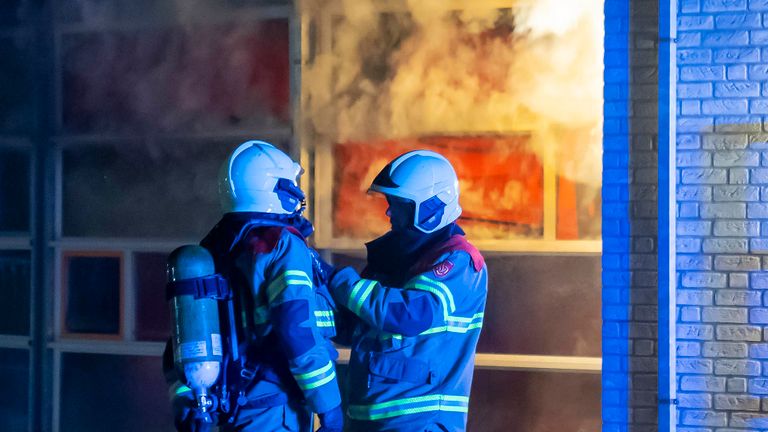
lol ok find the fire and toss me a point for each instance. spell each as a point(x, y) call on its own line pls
point(462, 68)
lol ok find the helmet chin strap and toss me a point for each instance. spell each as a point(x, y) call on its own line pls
point(291, 196)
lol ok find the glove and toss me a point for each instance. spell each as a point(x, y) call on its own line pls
point(324, 270)
point(331, 420)
point(187, 418)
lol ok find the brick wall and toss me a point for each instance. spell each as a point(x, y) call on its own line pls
point(722, 68)
point(630, 188)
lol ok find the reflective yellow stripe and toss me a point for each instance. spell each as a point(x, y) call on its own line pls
point(363, 297)
point(178, 389)
point(452, 329)
point(277, 286)
point(305, 380)
point(436, 292)
point(458, 324)
point(355, 289)
point(464, 319)
point(316, 384)
point(314, 373)
point(443, 288)
point(406, 406)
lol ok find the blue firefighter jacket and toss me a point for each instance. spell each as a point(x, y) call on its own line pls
point(285, 319)
point(417, 324)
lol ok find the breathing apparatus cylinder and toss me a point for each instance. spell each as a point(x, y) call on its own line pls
point(197, 348)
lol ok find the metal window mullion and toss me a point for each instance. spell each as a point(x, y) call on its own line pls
point(15, 342)
point(58, 190)
point(550, 198)
point(22, 242)
point(110, 138)
point(128, 320)
point(56, 403)
point(112, 244)
point(58, 300)
point(109, 347)
point(261, 13)
point(542, 363)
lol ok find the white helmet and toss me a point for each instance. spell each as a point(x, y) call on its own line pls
point(428, 180)
point(258, 177)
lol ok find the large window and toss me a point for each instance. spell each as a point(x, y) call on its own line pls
point(513, 99)
point(151, 97)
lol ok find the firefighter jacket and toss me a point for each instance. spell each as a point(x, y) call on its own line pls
point(418, 313)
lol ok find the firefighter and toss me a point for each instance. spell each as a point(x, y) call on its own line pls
point(417, 308)
point(285, 368)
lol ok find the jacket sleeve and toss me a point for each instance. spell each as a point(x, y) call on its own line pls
point(292, 307)
point(425, 301)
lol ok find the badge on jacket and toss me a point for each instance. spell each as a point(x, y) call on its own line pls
point(442, 269)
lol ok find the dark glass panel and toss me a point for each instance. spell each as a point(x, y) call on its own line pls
point(165, 189)
point(14, 189)
point(14, 374)
point(93, 294)
point(16, 95)
point(11, 11)
point(196, 78)
point(16, 283)
point(152, 315)
point(114, 393)
point(537, 304)
point(547, 305)
point(503, 401)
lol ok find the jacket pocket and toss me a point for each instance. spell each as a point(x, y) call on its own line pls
point(399, 368)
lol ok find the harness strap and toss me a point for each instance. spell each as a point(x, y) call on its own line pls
point(213, 286)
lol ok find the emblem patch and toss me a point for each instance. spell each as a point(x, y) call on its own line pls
point(442, 269)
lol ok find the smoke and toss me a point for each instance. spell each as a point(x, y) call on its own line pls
point(435, 69)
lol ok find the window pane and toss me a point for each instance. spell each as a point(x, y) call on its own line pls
point(578, 210)
point(14, 374)
point(524, 294)
point(197, 78)
point(152, 314)
point(15, 282)
point(14, 188)
point(129, 395)
point(502, 193)
point(92, 294)
point(534, 402)
point(11, 11)
point(16, 101)
point(164, 189)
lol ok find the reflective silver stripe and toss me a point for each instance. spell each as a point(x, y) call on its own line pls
point(458, 324)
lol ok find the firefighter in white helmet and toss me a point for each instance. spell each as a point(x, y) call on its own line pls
point(283, 320)
point(418, 306)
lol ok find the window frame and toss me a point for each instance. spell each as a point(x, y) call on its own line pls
point(318, 153)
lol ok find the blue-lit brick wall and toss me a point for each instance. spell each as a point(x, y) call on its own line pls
point(630, 189)
point(722, 204)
